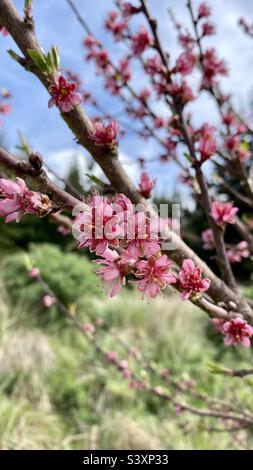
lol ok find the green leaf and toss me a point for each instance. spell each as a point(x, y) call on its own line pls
point(56, 58)
point(95, 180)
point(217, 369)
point(39, 59)
point(13, 55)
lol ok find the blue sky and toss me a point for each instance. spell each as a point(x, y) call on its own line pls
point(56, 25)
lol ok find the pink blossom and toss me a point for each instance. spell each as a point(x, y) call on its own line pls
point(89, 328)
point(185, 62)
point(113, 84)
point(170, 144)
point(232, 143)
point(239, 251)
point(16, 200)
point(114, 270)
point(48, 301)
point(5, 108)
point(212, 67)
point(101, 58)
point(186, 40)
point(63, 229)
point(228, 119)
point(123, 364)
point(34, 273)
point(90, 41)
point(121, 203)
point(74, 77)
point(96, 226)
point(223, 212)
point(204, 10)
point(207, 142)
point(181, 92)
point(218, 324)
point(207, 238)
point(143, 234)
point(154, 274)
point(191, 281)
point(64, 95)
point(114, 25)
point(159, 122)
point(153, 65)
point(4, 31)
point(100, 322)
point(111, 356)
point(243, 154)
point(144, 94)
point(124, 70)
point(128, 9)
point(104, 135)
point(208, 29)
point(237, 331)
point(146, 185)
point(140, 41)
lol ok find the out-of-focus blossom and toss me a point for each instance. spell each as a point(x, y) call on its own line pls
point(146, 185)
point(207, 238)
point(104, 135)
point(191, 281)
point(239, 251)
point(48, 301)
point(141, 41)
point(223, 212)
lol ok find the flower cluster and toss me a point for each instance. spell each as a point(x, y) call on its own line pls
point(236, 331)
point(16, 200)
point(128, 244)
point(64, 94)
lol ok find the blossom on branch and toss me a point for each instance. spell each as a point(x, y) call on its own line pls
point(212, 67)
point(237, 331)
point(191, 281)
point(16, 200)
point(207, 238)
point(141, 41)
point(4, 31)
point(115, 269)
point(64, 95)
point(154, 274)
point(146, 185)
point(204, 10)
point(97, 226)
point(48, 301)
point(239, 251)
point(114, 25)
point(185, 62)
point(129, 10)
point(104, 135)
point(207, 142)
point(223, 212)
